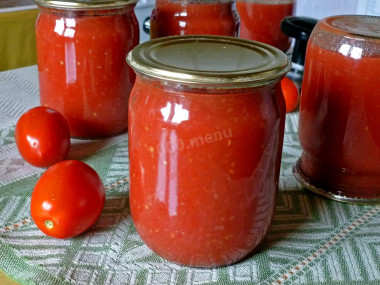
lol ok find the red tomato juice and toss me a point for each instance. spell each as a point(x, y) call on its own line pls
point(340, 122)
point(175, 18)
point(82, 68)
point(262, 22)
point(204, 169)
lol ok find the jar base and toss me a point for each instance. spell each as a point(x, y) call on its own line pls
point(308, 184)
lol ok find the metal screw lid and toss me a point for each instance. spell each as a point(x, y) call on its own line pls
point(84, 4)
point(223, 62)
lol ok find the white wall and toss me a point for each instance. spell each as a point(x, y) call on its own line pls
point(143, 10)
point(323, 8)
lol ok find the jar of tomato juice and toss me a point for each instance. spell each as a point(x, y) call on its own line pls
point(81, 47)
point(260, 20)
point(206, 123)
point(194, 17)
point(339, 126)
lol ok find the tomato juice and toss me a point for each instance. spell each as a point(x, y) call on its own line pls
point(82, 68)
point(194, 17)
point(204, 170)
point(340, 116)
point(262, 21)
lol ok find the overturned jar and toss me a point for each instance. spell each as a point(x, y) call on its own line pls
point(340, 110)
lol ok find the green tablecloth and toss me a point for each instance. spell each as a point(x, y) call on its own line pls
point(312, 240)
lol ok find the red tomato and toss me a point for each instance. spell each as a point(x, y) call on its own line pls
point(291, 94)
point(67, 199)
point(42, 136)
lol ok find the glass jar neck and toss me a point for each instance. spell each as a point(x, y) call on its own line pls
point(87, 12)
point(211, 89)
point(355, 46)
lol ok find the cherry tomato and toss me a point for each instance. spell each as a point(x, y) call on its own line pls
point(291, 94)
point(67, 199)
point(42, 136)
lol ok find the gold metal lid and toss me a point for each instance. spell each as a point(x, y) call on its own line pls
point(84, 4)
point(224, 62)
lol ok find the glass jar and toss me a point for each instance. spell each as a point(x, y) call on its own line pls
point(190, 17)
point(206, 123)
point(260, 20)
point(339, 127)
point(81, 48)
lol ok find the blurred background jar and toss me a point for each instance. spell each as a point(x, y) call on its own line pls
point(260, 20)
point(190, 17)
point(81, 51)
point(339, 127)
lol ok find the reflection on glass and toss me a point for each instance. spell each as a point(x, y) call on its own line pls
point(166, 111)
point(354, 52)
point(65, 27)
point(180, 114)
point(70, 62)
point(167, 179)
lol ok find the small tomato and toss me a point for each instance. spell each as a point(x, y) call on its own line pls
point(67, 199)
point(291, 94)
point(42, 136)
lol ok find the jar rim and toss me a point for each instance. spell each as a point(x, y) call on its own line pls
point(84, 4)
point(204, 60)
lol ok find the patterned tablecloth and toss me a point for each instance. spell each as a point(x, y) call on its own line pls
point(312, 240)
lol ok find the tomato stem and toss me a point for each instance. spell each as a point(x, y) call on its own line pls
point(49, 224)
